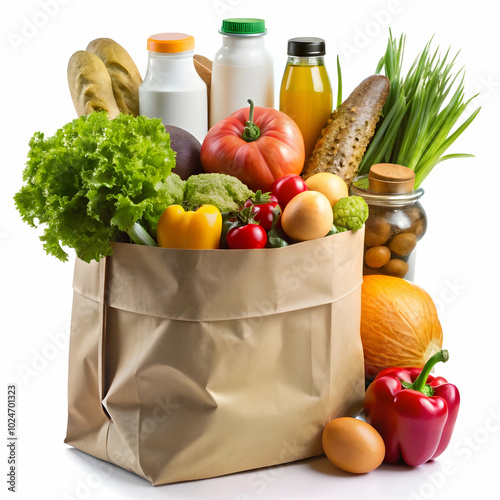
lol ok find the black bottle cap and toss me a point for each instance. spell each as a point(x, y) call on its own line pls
point(307, 46)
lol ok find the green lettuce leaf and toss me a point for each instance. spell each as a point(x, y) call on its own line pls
point(94, 179)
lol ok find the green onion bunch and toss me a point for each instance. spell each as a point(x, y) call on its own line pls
point(418, 118)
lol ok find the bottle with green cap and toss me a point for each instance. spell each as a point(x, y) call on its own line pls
point(242, 69)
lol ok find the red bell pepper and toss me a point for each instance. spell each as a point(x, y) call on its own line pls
point(413, 411)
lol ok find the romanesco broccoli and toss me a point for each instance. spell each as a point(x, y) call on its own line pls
point(350, 213)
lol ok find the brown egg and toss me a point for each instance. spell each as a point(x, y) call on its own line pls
point(353, 445)
point(396, 267)
point(307, 216)
point(403, 243)
point(378, 256)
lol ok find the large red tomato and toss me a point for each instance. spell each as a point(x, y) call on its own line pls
point(256, 145)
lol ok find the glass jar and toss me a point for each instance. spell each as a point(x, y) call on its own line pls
point(396, 222)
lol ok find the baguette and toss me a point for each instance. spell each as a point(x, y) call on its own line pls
point(125, 77)
point(90, 85)
point(347, 133)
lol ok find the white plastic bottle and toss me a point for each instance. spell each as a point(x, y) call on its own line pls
point(242, 69)
point(172, 89)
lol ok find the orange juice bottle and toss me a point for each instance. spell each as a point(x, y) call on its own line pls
point(306, 93)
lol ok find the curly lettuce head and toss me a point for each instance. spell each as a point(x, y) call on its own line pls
point(93, 179)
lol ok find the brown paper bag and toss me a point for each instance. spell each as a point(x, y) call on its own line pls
point(187, 364)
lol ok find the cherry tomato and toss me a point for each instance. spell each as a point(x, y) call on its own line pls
point(264, 214)
point(249, 236)
point(287, 187)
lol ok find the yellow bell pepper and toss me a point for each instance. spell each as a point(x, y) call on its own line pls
point(194, 230)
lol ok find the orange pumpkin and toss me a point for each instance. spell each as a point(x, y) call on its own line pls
point(399, 324)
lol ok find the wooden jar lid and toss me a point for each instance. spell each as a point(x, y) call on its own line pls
point(391, 178)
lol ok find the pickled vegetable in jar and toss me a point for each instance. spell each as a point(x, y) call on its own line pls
point(306, 93)
point(397, 220)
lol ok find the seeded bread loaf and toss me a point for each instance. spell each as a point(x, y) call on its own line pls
point(347, 133)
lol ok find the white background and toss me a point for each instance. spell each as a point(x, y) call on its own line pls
point(457, 260)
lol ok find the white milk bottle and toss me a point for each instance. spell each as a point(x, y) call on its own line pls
point(172, 89)
point(242, 69)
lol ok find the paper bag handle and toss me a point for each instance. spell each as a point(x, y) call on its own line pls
point(101, 346)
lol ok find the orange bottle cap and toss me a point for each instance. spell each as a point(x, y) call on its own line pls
point(168, 43)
